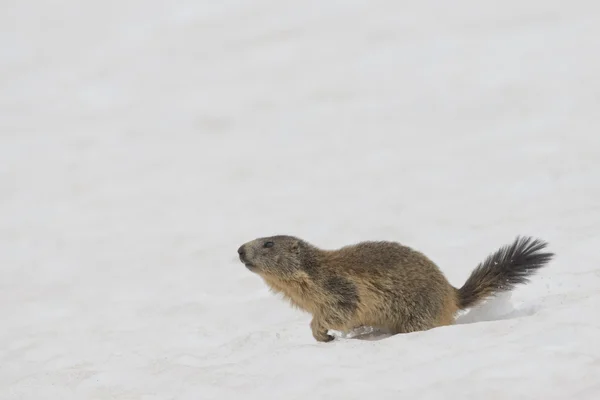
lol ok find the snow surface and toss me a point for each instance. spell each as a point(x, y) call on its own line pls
point(141, 142)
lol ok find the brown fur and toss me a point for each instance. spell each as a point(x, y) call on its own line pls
point(380, 284)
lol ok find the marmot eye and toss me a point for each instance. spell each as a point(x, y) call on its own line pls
point(268, 244)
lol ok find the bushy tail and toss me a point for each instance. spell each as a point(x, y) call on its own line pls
point(503, 270)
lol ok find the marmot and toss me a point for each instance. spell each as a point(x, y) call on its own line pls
point(384, 285)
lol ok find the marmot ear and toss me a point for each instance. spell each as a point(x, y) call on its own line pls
point(295, 246)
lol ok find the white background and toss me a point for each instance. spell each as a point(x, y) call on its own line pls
point(142, 142)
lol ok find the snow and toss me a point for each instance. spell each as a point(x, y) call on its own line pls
point(141, 142)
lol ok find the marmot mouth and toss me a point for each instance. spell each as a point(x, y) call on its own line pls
point(249, 266)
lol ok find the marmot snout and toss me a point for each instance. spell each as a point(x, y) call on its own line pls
point(382, 284)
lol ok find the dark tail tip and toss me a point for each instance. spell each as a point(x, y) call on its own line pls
point(501, 271)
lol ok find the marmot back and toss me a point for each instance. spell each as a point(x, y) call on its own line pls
point(381, 284)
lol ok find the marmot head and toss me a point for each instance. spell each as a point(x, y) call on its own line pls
point(280, 256)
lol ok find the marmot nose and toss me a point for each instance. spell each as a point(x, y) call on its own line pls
point(242, 251)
